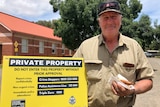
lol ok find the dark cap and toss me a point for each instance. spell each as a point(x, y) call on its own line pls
point(109, 5)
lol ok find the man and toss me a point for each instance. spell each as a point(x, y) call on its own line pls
point(110, 54)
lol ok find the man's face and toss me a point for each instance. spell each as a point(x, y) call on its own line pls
point(110, 23)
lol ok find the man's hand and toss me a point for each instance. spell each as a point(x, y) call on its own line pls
point(119, 90)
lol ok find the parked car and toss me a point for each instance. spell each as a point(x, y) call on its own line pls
point(149, 54)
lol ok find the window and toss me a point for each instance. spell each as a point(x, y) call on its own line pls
point(24, 47)
point(41, 47)
point(53, 48)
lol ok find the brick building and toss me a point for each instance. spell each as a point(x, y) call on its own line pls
point(21, 37)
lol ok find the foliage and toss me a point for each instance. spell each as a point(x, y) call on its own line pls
point(145, 31)
point(79, 19)
point(79, 22)
point(130, 11)
point(156, 43)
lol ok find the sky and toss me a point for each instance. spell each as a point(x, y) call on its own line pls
point(34, 10)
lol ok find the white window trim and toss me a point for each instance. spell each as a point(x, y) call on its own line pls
point(54, 50)
point(41, 47)
point(24, 45)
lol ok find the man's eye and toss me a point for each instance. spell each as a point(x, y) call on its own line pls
point(113, 17)
point(106, 17)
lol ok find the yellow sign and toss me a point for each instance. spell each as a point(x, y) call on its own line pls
point(29, 81)
point(15, 44)
point(15, 49)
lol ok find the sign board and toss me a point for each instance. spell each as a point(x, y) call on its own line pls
point(29, 81)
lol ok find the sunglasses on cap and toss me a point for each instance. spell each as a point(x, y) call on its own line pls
point(109, 6)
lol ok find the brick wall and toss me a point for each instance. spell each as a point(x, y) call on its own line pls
point(7, 41)
point(33, 43)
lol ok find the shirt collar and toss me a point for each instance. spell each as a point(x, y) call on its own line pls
point(101, 40)
point(121, 42)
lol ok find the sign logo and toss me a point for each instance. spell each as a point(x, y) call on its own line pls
point(72, 100)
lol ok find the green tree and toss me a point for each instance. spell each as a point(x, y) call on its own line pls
point(156, 42)
point(130, 10)
point(144, 32)
point(79, 19)
point(157, 31)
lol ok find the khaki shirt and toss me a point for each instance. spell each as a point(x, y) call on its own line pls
point(128, 59)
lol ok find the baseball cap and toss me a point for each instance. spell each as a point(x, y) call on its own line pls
point(109, 5)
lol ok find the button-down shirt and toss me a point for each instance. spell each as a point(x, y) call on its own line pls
point(128, 59)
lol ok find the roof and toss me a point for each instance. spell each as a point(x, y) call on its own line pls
point(16, 24)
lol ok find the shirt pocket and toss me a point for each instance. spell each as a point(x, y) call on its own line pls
point(127, 68)
point(128, 71)
point(93, 69)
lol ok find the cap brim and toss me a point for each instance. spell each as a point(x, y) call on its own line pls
point(109, 10)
